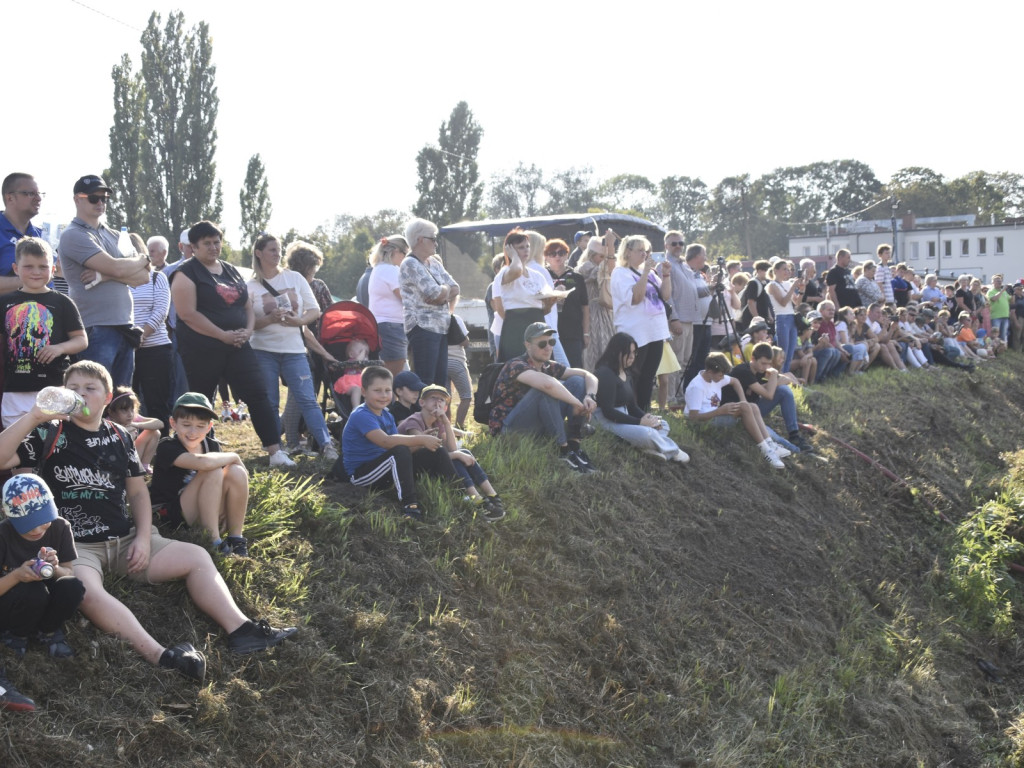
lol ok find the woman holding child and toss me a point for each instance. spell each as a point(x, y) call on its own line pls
point(283, 304)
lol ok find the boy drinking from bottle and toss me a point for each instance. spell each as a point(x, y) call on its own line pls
point(41, 328)
point(93, 469)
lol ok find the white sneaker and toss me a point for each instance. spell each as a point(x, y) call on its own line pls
point(780, 451)
point(773, 458)
point(656, 454)
point(681, 456)
point(280, 459)
point(330, 453)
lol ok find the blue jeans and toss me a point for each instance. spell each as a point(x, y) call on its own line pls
point(429, 352)
point(109, 347)
point(828, 359)
point(786, 403)
point(294, 369)
point(1001, 325)
point(540, 414)
point(785, 332)
point(644, 438)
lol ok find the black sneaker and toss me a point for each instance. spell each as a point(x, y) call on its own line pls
point(16, 643)
point(574, 462)
point(801, 442)
point(493, 509)
point(257, 636)
point(56, 643)
point(587, 463)
point(184, 658)
point(12, 699)
point(414, 511)
point(234, 545)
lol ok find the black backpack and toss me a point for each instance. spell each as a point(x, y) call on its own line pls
point(484, 391)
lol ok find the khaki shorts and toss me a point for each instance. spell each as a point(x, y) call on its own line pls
point(112, 555)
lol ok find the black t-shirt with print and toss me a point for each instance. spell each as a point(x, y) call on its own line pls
point(86, 474)
point(169, 480)
point(32, 321)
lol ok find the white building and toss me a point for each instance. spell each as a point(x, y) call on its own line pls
point(948, 246)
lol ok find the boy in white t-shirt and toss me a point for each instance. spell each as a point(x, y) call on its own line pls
point(704, 405)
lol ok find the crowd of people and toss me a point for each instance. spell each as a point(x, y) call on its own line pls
point(604, 333)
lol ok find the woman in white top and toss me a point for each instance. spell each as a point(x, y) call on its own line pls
point(385, 296)
point(638, 306)
point(518, 293)
point(283, 302)
point(784, 292)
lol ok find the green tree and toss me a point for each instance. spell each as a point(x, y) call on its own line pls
point(922, 191)
point(514, 195)
point(570, 191)
point(172, 118)
point(992, 196)
point(683, 205)
point(125, 172)
point(449, 187)
point(629, 193)
point(254, 200)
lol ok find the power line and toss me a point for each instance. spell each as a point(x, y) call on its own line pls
point(107, 16)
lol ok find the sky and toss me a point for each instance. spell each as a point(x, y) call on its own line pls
point(339, 98)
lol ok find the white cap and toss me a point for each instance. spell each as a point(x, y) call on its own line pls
point(183, 239)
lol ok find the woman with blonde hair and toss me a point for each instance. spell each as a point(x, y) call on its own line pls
point(596, 266)
point(639, 294)
point(385, 300)
point(519, 293)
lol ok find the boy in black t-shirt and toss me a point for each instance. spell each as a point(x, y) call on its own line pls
point(93, 470)
point(197, 482)
point(41, 329)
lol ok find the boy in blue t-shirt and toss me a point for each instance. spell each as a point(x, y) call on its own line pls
point(375, 455)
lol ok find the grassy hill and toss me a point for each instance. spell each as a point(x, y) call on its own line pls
point(718, 614)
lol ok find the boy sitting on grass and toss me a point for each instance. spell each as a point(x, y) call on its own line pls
point(432, 419)
point(41, 329)
point(93, 470)
point(196, 482)
point(375, 455)
point(33, 604)
point(123, 409)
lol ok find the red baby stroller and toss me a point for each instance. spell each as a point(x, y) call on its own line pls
point(341, 323)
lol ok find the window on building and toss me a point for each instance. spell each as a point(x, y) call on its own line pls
point(965, 247)
point(821, 250)
point(947, 247)
point(807, 251)
point(982, 243)
point(999, 245)
point(915, 252)
point(931, 249)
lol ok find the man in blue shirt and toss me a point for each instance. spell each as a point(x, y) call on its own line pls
point(21, 203)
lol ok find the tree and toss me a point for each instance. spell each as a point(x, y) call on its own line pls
point(254, 199)
point(992, 196)
point(922, 191)
point(125, 172)
point(172, 118)
point(514, 195)
point(570, 191)
point(630, 193)
point(683, 204)
point(449, 187)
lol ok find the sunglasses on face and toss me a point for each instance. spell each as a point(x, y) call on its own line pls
point(544, 344)
point(675, 243)
point(97, 198)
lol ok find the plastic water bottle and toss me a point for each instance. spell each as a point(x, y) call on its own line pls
point(124, 244)
point(42, 568)
point(58, 400)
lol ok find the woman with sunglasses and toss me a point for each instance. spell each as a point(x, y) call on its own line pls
point(385, 296)
point(427, 292)
point(640, 286)
point(617, 409)
point(574, 309)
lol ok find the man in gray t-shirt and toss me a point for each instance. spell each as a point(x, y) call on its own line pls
point(88, 251)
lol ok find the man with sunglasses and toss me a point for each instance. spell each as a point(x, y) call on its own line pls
point(540, 396)
point(22, 199)
point(88, 249)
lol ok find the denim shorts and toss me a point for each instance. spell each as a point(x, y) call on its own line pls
point(393, 342)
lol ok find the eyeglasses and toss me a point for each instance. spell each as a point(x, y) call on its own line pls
point(545, 343)
point(676, 243)
point(431, 239)
point(29, 193)
point(558, 254)
point(97, 198)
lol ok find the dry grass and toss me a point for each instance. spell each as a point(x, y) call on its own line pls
point(718, 614)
